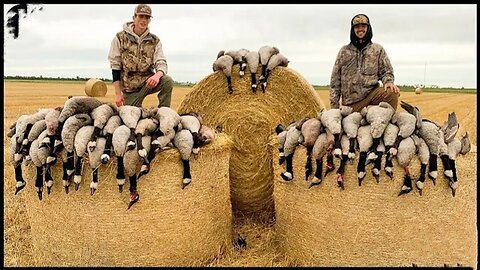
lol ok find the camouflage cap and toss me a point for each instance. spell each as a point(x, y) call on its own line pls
point(360, 19)
point(143, 9)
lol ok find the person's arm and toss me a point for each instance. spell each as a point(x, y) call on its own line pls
point(385, 70)
point(119, 99)
point(335, 83)
point(161, 66)
point(116, 65)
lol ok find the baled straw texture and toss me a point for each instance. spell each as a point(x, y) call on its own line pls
point(370, 225)
point(418, 91)
point(95, 88)
point(168, 226)
point(250, 118)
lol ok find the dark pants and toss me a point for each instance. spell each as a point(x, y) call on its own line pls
point(375, 97)
point(164, 89)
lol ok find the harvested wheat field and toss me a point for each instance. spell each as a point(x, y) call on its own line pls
point(263, 246)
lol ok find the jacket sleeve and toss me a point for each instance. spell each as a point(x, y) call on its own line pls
point(160, 60)
point(385, 68)
point(335, 83)
point(114, 54)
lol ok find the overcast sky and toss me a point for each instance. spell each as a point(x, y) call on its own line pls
point(432, 44)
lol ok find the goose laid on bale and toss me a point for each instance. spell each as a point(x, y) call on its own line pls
point(35, 131)
point(323, 146)
point(455, 147)
point(69, 130)
point(130, 116)
point(350, 125)
point(239, 57)
point(253, 61)
point(17, 165)
point(365, 141)
point(389, 137)
point(277, 60)
point(224, 64)
point(113, 123)
point(265, 53)
point(430, 132)
point(131, 159)
point(293, 138)
point(100, 116)
point(183, 141)
point(82, 137)
point(405, 153)
point(39, 157)
point(281, 132)
point(119, 142)
point(423, 155)
point(310, 130)
point(95, 160)
point(345, 143)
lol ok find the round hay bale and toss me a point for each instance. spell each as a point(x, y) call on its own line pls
point(168, 226)
point(418, 91)
point(95, 88)
point(370, 225)
point(250, 118)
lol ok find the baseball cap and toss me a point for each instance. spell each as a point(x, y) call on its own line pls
point(360, 19)
point(143, 9)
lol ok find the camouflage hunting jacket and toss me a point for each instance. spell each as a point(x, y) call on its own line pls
point(136, 57)
point(356, 73)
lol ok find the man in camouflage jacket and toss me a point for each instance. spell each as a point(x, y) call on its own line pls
point(359, 67)
point(139, 67)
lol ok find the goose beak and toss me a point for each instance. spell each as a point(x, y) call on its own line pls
point(120, 188)
point(134, 197)
point(404, 191)
point(18, 188)
point(340, 181)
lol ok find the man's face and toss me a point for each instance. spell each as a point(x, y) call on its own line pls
point(141, 22)
point(360, 30)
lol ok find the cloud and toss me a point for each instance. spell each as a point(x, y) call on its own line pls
point(74, 40)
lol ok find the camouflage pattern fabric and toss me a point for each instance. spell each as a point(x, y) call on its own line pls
point(356, 73)
point(137, 59)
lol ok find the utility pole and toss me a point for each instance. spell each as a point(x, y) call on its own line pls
point(425, 75)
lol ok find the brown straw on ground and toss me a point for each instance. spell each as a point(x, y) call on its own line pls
point(370, 225)
point(250, 118)
point(95, 88)
point(168, 226)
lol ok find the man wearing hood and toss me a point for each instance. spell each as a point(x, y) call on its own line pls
point(139, 67)
point(359, 67)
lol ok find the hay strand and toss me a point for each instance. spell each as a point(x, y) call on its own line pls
point(168, 226)
point(370, 225)
point(95, 88)
point(250, 118)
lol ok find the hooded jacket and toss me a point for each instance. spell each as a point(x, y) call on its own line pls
point(138, 57)
point(357, 70)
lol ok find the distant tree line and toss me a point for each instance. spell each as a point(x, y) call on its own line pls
point(316, 87)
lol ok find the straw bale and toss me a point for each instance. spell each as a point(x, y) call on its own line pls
point(95, 88)
point(418, 91)
point(250, 118)
point(370, 225)
point(168, 226)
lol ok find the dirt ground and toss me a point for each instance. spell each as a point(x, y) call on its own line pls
point(26, 98)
